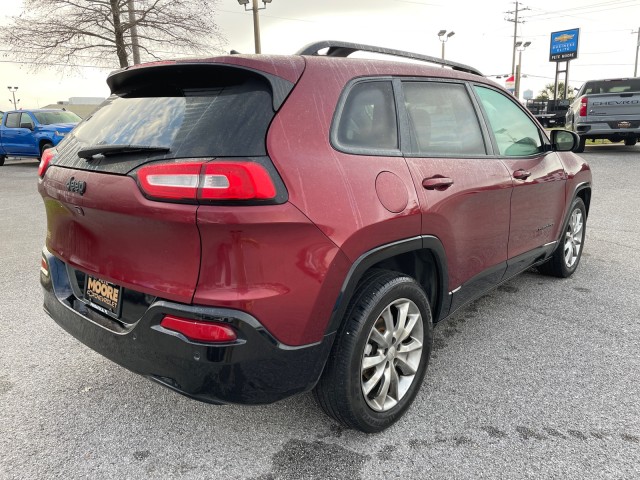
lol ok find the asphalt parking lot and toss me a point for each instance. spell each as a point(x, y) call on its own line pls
point(539, 379)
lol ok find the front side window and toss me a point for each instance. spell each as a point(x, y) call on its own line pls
point(442, 119)
point(515, 132)
point(26, 121)
point(368, 118)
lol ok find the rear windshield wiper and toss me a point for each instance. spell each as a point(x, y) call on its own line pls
point(106, 150)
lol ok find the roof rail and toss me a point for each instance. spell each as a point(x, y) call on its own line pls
point(344, 49)
point(338, 48)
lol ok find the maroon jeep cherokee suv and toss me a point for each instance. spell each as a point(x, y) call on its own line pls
point(246, 227)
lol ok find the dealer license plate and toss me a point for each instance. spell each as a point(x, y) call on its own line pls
point(624, 124)
point(103, 296)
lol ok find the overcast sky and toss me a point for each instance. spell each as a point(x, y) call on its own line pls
point(483, 38)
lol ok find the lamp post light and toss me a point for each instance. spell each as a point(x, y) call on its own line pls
point(520, 47)
point(443, 36)
point(256, 19)
point(13, 92)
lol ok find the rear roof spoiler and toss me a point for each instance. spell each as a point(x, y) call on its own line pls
point(338, 48)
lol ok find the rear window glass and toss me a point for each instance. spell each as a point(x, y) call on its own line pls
point(612, 86)
point(49, 118)
point(229, 120)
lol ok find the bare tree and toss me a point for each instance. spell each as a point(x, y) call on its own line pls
point(109, 32)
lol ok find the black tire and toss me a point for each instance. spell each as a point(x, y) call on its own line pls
point(44, 147)
point(2, 158)
point(580, 147)
point(630, 142)
point(560, 264)
point(341, 388)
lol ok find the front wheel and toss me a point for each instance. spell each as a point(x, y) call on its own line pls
point(566, 258)
point(45, 146)
point(380, 355)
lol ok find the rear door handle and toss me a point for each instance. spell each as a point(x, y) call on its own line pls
point(437, 183)
point(521, 174)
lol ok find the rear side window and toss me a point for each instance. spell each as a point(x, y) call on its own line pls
point(368, 118)
point(13, 120)
point(515, 133)
point(209, 119)
point(442, 119)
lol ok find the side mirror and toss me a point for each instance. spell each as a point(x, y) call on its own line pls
point(26, 125)
point(564, 140)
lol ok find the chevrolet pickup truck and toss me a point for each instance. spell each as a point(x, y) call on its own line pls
point(607, 109)
point(28, 133)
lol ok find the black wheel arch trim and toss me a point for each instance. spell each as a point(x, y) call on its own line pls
point(579, 188)
point(384, 252)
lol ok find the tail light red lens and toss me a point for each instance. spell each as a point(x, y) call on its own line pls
point(45, 160)
point(583, 107)
point(207, 180)
point(200, 331)
point(236, 181)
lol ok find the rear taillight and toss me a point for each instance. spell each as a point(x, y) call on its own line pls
point(200, 331)
point(47, 155)
point(583, 107)
point(207, 180)
point(44, 266)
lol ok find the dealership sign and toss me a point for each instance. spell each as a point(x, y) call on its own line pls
point(564, 45)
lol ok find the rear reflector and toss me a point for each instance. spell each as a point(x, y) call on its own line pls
point(45, 160)
point(199, 331)
point(207, 180)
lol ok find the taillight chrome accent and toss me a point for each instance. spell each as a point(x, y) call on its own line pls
point(207, 180)
point(583, 107)
point(200, 331)
point(45, 160)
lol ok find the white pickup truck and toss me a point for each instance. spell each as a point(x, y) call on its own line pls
point(606, 109)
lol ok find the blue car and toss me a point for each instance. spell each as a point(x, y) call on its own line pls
point(28, 133)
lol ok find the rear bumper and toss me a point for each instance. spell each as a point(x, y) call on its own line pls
point(254, 369)
point(603, 130)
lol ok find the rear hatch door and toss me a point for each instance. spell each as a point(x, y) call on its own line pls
point(100, 222)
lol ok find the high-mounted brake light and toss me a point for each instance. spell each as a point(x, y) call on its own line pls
point(583, 107)
point(45, 160)
point(200, 331)
point(207, 180)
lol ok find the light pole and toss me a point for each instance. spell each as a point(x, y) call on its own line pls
point(13, 92)
point(635, 69)
point(444, 36)
point(256, 19)
point(520, 47)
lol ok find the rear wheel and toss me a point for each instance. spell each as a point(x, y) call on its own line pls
point(380, 355)
point(630, 142)
point(580, 147)
point(2, 158)
point(566, 258)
